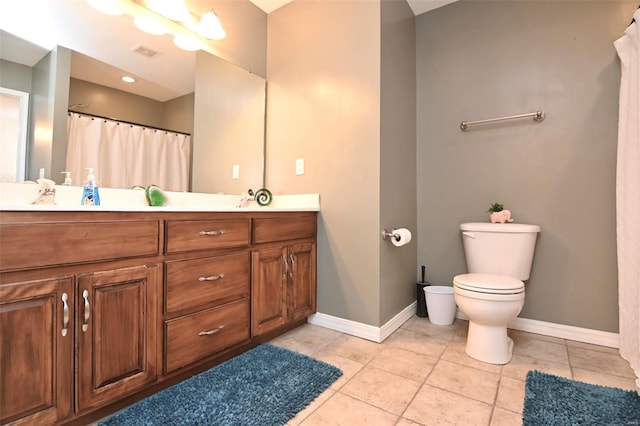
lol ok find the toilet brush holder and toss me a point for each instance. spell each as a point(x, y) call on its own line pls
point(421, 308)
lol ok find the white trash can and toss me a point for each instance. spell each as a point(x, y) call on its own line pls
point(441, 304)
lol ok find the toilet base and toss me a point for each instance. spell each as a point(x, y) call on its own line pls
point(489, 344)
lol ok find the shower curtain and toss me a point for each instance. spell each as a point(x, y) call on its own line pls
point(124, 155)
point(628, 195)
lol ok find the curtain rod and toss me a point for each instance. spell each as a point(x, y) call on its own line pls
point(128, 122)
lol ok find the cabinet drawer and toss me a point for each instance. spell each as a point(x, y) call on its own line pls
point(185, 235)
point(27, 245)
point(196, 336)
point(190, 283)
point(281, 229)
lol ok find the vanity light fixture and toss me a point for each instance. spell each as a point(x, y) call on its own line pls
point(160, 17)
point(128, 79)
point(110, 7)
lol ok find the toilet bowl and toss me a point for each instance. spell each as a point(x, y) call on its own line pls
point(490, 302)
point(491, 294)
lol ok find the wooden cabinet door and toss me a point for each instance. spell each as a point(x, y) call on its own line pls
point(116, 334)
point(301, 289)
point(36, 351)
point(269, 291)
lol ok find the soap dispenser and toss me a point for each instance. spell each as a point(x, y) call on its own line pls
point(90, 194)
point(67, 178)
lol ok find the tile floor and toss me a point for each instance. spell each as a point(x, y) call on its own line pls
point(420, 375)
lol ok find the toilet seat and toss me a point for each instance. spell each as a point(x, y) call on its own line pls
point(488, 283)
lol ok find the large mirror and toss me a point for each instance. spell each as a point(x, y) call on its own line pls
point(221, 105)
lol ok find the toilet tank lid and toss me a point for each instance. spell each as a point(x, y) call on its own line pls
point(499, 227)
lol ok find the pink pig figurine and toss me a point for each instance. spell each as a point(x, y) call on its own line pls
point(501, 216)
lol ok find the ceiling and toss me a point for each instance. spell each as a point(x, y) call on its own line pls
point(86, 31)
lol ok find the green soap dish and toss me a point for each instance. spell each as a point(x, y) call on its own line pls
point(155, 196)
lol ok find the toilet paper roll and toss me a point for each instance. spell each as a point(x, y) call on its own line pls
point(405, 237)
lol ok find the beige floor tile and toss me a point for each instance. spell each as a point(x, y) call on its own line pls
point(418, 342)
point(348, 366)
point(315, 404)
point(602, 379)
point(384, 390)
point(592, 347)
point(424, 326)
point(307, 339)
point(405, 422)
point(511, 394)
point(520, 365)
point(354, 348)
point(466, 381)
point(408, 364)
point(453, 354)
point(503, 417)
point(600, 362)
point(342, 410)
point(541, 349)
point(433, 406)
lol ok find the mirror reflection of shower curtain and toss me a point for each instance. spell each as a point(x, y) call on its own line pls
point(628, 195)
point(124, 155)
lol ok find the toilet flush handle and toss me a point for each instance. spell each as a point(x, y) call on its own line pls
point(469, 234)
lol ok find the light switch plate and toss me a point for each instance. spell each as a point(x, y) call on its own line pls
point(235, 174)
point(299, 166)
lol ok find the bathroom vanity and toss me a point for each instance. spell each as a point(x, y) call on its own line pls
point(100, 308)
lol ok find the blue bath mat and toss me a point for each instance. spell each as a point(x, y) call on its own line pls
point(267, 385)
point(551, 400)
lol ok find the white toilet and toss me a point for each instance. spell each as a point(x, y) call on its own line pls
point(491, 295)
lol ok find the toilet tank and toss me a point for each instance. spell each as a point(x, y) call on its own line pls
point(500, 248)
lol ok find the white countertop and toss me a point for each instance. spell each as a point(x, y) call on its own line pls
point(19, 196)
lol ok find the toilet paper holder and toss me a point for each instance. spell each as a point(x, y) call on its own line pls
point(387, 234)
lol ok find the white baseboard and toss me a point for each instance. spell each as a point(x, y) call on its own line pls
point(365, 331)
point(379, 334)
point(578, 334)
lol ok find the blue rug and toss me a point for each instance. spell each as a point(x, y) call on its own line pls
point(267, 385)
point(552, 400)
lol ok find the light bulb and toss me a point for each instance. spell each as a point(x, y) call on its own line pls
point(210, 27)
point(186, 42)
point(110, 7)
point(175, 10)
point(150, 25)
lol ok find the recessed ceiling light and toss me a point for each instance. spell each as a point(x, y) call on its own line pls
point(128, 79)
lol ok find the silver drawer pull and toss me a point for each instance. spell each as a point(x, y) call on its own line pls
point(205, 233)
point(211, 278)
point(87, 311)
point(65, 314)
point(210, 332)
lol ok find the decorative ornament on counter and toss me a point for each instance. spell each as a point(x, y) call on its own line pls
point(263, 197)
point(498, 214)
point(155, 196)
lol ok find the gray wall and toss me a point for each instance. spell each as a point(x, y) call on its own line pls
point(15, 76)
point(397, 155)
point(344, 100)
point(46, 146)
point(483, 59)
point(323, 69)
